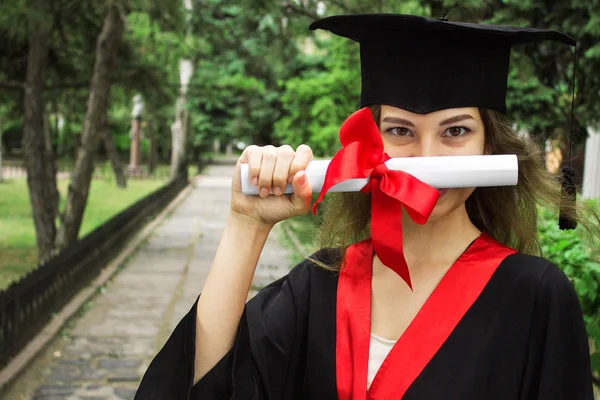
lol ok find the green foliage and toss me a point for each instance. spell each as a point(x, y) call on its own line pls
point(234, 92)
point(552, 63)
point(17, 17)
point(318, 101)
point(147, 64)
point(252, 69)
point(581, 264)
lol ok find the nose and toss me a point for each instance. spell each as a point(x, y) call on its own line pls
point(425, 146)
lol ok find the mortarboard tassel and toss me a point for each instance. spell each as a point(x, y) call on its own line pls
point(568, 188)
point(569, 195)
point(443, 17)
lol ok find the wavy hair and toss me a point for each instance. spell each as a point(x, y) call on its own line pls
point(509, 214)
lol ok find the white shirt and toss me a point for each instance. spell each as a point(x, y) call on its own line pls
point(378, 350)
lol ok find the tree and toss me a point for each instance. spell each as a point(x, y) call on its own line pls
point(95, 123)
point(113, 155)
point(41, 176)
point(180, 127)
point(51, 46)
point(325, 90)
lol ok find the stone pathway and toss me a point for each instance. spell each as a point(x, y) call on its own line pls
point(104, 352)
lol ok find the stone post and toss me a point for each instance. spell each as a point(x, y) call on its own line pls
point(136, 132)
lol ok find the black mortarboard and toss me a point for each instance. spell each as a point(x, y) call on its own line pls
point(424, 65)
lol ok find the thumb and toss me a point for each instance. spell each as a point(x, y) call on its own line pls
point(302, 195)
point(236, 180)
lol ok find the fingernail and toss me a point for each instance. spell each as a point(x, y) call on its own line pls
point(264, 192)
point(255, 181)
point(277, 191)
point(303, 178)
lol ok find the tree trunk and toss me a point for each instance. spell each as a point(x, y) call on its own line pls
point(76, 144)
point(153, 156)
point(183, 145)
point(179, 132)
point(175, 132)
point(50, 165)
point(41, 183)
point(181, 124)
point(113, 155)
point(95, 121)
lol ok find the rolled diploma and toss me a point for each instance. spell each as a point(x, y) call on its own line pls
point(444, 172)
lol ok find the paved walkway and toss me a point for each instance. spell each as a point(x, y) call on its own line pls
point(104, 353)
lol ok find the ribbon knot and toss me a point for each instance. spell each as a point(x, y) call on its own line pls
point(362, 156)
point(379, 171)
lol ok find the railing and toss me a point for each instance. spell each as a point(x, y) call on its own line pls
point(27, 305)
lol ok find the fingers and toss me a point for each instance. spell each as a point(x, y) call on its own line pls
point(302, 157)
point(271, 169)
point(267, 166)
point(285, 155)
point(302, 196)
point(252, 156)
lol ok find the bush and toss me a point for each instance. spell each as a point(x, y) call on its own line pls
point(569, 251)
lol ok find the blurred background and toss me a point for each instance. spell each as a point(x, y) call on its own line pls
point(103, 103)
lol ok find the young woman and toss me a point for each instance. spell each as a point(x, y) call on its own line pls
point(447, 307)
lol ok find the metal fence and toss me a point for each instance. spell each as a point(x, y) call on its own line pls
point(27, 305)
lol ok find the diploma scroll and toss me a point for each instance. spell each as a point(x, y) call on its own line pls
point(444, 172)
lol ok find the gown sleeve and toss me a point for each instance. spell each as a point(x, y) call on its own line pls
point(558, 360)
point(262, 360)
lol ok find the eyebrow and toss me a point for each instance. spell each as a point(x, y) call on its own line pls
point(396, 120)
point(458, 118)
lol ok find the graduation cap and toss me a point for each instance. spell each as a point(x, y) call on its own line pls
point(424, 65)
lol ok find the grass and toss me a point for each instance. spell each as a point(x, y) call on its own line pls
point(18, 251)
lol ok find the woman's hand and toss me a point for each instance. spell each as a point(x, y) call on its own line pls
point(271, 169)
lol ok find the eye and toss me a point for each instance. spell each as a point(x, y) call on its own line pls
point(399, 131)
point(456, 131)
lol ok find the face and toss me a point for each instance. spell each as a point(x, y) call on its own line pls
point(450, 132)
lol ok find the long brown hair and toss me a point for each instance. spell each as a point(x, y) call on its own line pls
point(508, 214)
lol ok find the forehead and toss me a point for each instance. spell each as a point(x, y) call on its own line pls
point(433, 116)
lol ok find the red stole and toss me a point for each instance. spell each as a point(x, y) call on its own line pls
point(445, 307)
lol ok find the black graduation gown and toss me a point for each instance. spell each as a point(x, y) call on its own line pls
point(522, 338)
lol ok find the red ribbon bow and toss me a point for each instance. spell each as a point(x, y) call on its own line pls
point(362, 156)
